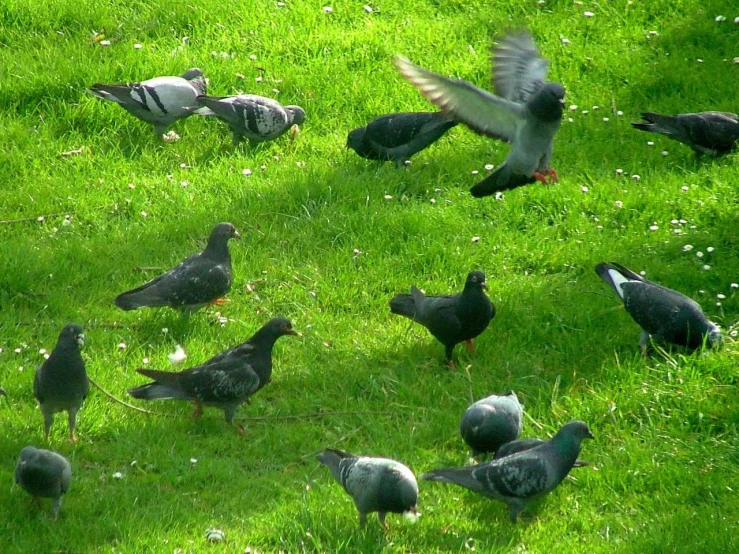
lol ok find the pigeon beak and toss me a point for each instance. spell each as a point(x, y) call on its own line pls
point(562, 101)
point(81, 340)
point(294, 333)
point(590, 435)
point(484, 285)
point(236, 235)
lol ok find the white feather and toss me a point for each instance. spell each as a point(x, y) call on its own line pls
point(617, 279)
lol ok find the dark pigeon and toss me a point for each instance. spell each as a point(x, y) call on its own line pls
point(160, 101)
point(519, 445)
point(525, 110)
point(520, 478)
point(451, 319)
point(60, 383)
point(491, 422)
point(226, 380)
point(252, 117)
point(376, 484)
point(712, 133)
point(43, 473)
point(662, 313)
point(199, 280)
point(398, 136)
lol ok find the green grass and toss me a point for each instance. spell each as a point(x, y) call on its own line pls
point(665, 468)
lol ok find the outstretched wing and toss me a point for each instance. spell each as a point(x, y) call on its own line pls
point(519, 70)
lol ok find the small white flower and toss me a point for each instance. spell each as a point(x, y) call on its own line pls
point(193, 460)
point(687, 248)
point(699, 254)
point(145, 361)
point(721, 296)
point(368, 9)
point(388, 197)
point(137, 46)
point(619, 113)
point(683, 221)
point(573, 108)
point(432, 201)
point(570, 120)
point(588, 14)
point(642, 273)
point(699, 60)
point(596, 108)
point(121, 346)
point(178, 356)
point(246, 171)
point(328, 9)
point(144, 214)
point(734, 286)
point(653, 227)
point(584, 189)
point(474, 172)
point(215, 535)
point(104, 43)
point(564, 40)
point(710, 249)
point(117, 475)
point(718, 303)
point(42, 351)
point(664, 152)
point(619, 204)
point(475, 239)
point(489, 167)
point(650, 143)
point(706, 267)
point(585, 112)
point(17, 350)
point(720, 19)
point(636, 177)
point(619, 171)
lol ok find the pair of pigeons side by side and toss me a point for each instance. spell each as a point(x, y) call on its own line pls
point(162, 101)
point(451, 319)
point(386, 486)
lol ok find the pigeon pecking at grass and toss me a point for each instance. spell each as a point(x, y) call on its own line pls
point(491, 422)
point(525, 110)
point(522, 477)
point(226, 380)
point(60, 383)
point(662, 313)
point(43, 473)
point(160, 101)
point(376, 484)
point(199, 280)
point(712, 133)
point(252, 117)
point(450, 319)
point(398, 136)
point(519, 445)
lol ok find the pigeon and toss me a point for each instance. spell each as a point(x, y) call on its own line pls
point(451, 319)
point(520, 478)
point(43, 473)
point(398, 136)
point(519, 445)
point(160, 101)
point(376, 484)
point(491, 422)
point(60, 383)
point(661, 312)
point(252, 117)
point(226, 380)
point(525, 110)
point(712, 133)
point(199, 280)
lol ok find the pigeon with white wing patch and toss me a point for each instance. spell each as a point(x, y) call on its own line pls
point(662, 313)
point(160, 101)
point(526, 111)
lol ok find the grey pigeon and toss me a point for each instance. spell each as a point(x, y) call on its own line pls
point(226, 380)
point(712, 133)
point(160, 101)
point(398, 136)
point(520, 478)
point(252, 117)
point(525, 110)
point(199, 280)
point(376, 484)
point(451, 319)
point(662, 313)
point(60, 383)
point(491, 422)
point(43, 473)
point(519, 445)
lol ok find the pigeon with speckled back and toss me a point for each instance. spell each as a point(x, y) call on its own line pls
point(60, 383)
point(522, 477)
point(491, 422)
point(376, 484)
point(398, 136)
point(226, 380)
point(252, 117)
point(519, 445)
point(43, 473)
point(712, 133)
point(199, 280)
point(450, 319)
point(662, 313)
point(160, 101)
point(526, 111)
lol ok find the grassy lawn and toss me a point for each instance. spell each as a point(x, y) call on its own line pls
point(328, 238)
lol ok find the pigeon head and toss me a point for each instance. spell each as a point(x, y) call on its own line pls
point(192, 73)
point(280, 326)
point(574, 431)
point(355, 138)
point(27, 454)
point(476, 280)
point(548, 103)
point(197, 80)
point(223, 232)
point(297, 114)
point(72, 333)
point(715, 338)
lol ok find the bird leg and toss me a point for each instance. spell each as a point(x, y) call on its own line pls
point(240, 430)
point(198, 410)
point(550, 173)
point(451, 364)
point(470, 343)
point(541, 177)
point(381, 517)
point(553, 176)
point(72, 417)
point(644, 343)
point(219, 302)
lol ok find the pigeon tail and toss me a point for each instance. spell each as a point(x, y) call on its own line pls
point(403, 304)
point(157, 391)
point(661, 124)
point(130, 301)
point(616, 275)
point(461, 476)
point(499, 180)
